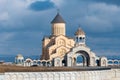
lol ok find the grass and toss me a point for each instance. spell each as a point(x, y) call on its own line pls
point(13, 68)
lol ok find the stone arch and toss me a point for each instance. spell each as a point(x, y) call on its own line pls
point(34, 62)
point(103, 61)
point(28, 62)
point(89, 57)
point(119, 62)
point(44, 62)
point(116, 62)
point(85, 56)
point(110, 62)
point(57, 62)
point(80, 60)
point(39, 62)
point(48, 63)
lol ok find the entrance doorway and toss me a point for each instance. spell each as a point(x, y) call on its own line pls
point(80, 60)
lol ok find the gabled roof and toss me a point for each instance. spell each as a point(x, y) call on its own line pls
point(58, 19)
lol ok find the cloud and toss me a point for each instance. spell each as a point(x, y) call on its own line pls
point(41, 5)
point(22, 21)
point(111, 2)
point(20, 42)
point(101, 16)
point(5, 36)
point(97, 24)
point(99, 20)
point(104, 45)
point(4, 16)
point(58, 3)
point(93, 17)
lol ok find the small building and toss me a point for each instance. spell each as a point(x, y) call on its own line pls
point(19, 59)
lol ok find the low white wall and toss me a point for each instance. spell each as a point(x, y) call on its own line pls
point(2, 76)
point(113, 74)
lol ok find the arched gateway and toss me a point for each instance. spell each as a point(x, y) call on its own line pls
point(88, 57)
point(80, 49)
point(82, 58)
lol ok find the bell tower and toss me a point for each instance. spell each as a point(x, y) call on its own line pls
point(79, 37)
point(58, 25)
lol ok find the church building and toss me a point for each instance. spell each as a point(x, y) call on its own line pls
point(61, 50)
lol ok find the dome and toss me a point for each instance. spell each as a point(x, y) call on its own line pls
point(58, 19)
point(79, 32)
point(19, 56)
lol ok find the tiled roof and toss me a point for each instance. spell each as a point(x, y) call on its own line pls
point(58, 19)
point(79, 32)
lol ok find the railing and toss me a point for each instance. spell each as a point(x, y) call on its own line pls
point(46, 63)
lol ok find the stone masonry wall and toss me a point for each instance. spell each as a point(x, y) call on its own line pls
point(113, 74)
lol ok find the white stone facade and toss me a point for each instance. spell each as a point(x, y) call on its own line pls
point(113, 74)
point(89, 56)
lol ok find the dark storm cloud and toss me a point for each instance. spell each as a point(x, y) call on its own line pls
point(24, 23)
point(41, 5)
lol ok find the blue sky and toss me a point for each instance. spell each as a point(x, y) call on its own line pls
point(23, 24)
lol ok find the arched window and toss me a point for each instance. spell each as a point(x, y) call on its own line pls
point(80, 38)
point(61, 42)
point(110, 62)
point(62, 51)
point(116, 62)
point(97, 62)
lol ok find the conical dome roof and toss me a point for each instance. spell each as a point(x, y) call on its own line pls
point(19, 56)
point(58, 19)
point(79, 32)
